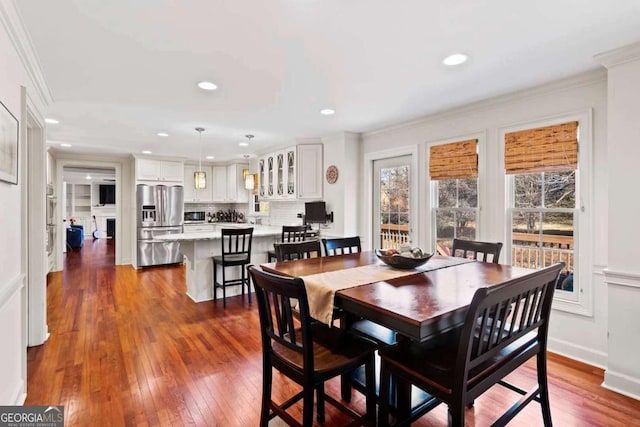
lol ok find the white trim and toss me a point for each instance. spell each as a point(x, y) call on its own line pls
point(481, 226)
point(10, 17)
point(585, 79)
point(369, 158)
point(8, 290)
point(621, 383)
point(577, 352)
point(619, 56)
point(583, 305)
point(19, 395)
point(621, 278)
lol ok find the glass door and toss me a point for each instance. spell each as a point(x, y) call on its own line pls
point(392, 203)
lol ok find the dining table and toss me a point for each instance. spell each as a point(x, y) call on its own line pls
point(417, 303)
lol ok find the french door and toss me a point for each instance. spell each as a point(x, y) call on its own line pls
point(392, 204)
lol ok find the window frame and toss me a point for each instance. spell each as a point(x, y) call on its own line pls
point(580, 301)
point(432, 186)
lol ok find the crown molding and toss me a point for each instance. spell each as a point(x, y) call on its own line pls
point(583, 79)
point(622, 55)
point(12, 22)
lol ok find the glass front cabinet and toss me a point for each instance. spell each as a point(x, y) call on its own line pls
point(279, 172)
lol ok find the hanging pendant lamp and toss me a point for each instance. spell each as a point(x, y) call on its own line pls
point(200, 176)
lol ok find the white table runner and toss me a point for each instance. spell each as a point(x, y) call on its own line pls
point(321, 288)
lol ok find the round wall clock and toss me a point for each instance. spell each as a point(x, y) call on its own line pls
point(332, 174)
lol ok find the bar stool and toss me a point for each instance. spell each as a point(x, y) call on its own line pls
point(236, 251)
point(290, 234)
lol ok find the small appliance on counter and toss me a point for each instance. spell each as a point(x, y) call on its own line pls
point(194, 217)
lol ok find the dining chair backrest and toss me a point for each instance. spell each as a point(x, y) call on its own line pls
point(236, 243)
point(344, 245)
point(482, 251)
point(486, 339)
point(298, 250)
point(293, 233)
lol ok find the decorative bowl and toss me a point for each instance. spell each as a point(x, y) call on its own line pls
point(401, 262)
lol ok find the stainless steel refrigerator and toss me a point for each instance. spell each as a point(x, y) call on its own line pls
point(160, 210)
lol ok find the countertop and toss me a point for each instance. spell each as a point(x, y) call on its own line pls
point(258, 231)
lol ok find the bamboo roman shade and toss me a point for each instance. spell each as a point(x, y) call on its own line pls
point(458, 160)
point(545, 149)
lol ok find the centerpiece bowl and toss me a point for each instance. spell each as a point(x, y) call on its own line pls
point(402, 262)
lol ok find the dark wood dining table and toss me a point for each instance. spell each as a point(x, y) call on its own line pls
point(417, 305)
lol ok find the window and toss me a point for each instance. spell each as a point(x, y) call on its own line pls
point(453, 169)
point(542, 165)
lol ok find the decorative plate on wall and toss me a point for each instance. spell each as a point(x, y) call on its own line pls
point(332, 174)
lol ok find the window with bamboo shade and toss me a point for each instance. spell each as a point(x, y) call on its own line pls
point(457, 160)
point(544, 149)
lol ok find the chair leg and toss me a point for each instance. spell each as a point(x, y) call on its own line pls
point(215, 280)
point(456, 415)
point(248, 279)
point(266, 393)
point(307, 406)
point(242, 280)
point(370, 378)
point(544, 389)
point(345, 387)
point(224, 288)
point(385, 379)
point(320, 404)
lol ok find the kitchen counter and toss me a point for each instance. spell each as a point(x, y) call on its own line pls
point(199, 247)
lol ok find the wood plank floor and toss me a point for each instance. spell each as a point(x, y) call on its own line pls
point(130, 348)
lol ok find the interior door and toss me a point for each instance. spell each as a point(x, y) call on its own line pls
point(392, 204)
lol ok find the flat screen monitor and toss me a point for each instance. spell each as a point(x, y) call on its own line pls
point(107, 194)
point(315, 212)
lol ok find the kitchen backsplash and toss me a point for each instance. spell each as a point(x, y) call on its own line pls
point(284, 213)
point(215, 207)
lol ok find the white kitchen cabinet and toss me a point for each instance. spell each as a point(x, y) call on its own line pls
point(199, 228)
point(236, 192)
point(310, 174)
point(159, 170)
point(219, 183)
point(193, 194)
point(294, 173)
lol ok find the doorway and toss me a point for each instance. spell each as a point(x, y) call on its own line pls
point(393, 213)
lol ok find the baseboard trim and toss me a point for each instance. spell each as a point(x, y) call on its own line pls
point(621, 383)
point(578, 352)
point(19, 395)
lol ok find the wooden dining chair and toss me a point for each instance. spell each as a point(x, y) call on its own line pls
point(477, 250)
point(298, 250)
point(236, 251)
point(306, 351)
point(469, 360)
point(290, 233)
point(344, 245)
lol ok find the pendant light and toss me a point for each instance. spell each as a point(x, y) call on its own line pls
point(249, 181)
point(200, 176)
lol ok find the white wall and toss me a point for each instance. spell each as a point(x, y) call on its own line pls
point(622, 275)
point(13, 292)
point(580, 337)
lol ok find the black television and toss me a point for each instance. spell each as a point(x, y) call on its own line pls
point(107, 194)
point(315, 212)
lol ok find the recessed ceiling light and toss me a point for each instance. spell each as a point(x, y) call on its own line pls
point(146, 152)
point(66, 145)
point(207, 85)
point(327, 112)
point(211, 157)
point(162, 134)
point(51, 121)
point(87, 177)
point(455, 59)
point(243, 144)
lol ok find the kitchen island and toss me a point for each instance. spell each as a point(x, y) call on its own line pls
point(199, 247)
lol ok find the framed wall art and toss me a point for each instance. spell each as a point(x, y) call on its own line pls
point(9, 135)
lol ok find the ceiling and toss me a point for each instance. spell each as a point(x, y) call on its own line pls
point(121, 71)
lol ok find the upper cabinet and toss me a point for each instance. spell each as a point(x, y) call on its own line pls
point(219, 183)
point(236, 192)
point(223, 184)
point(294, 173)
point(159, 170)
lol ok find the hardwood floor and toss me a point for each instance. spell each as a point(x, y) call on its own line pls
point(128, 347)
